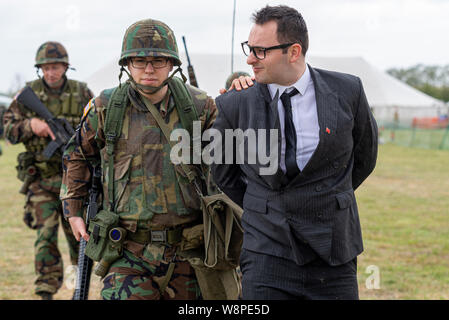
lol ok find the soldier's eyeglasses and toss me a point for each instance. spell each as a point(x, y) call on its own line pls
point(140, 63)
point(260, 52)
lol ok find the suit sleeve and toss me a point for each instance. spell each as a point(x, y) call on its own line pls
point(365, 136)
point(228, 177)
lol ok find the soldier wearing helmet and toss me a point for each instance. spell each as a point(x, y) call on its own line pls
point(237, 80)
point(64, 98)
point(233, 76)
point(144, 193)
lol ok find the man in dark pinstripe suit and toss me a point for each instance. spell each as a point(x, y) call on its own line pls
point(302, 230)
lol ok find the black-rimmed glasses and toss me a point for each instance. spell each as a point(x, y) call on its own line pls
point(141, 63)
point(260, 52)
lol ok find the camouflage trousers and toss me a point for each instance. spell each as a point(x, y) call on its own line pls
point(140, 276)
point(43, 212)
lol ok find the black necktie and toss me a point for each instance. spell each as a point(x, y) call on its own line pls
point(290, 135)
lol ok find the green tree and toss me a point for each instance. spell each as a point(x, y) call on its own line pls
point(432, 80)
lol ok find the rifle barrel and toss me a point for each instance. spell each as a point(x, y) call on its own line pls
point(187, 53)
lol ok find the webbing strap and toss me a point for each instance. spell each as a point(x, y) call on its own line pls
point(167, 277)
point(115, 113)
point(184, 104)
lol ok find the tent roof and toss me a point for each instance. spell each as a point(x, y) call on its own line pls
point(381, 88)
point(4, 100)
point(212, 71)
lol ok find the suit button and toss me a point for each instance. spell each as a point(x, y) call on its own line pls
point(318, 188)
point(335, 165)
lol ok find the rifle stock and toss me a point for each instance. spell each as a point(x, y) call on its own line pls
point(83, 274)
point(192, 77)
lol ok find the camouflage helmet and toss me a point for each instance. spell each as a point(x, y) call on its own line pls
point(51, 52)
point(149, 38)
point(234, 76)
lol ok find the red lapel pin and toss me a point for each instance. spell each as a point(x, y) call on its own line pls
point(328, 131)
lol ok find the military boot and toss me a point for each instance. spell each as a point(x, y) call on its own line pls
point(45, 295)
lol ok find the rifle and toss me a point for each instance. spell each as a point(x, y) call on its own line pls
point(192, 77)
point(61, 128)
point(84, 262)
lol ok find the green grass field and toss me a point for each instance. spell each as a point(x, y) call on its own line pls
point(17, 240)
point(404, 211)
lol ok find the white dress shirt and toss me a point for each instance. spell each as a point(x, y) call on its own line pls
point(305, 118)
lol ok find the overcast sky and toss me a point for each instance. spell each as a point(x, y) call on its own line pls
point(387, 33)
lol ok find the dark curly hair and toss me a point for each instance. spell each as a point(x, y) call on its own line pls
point(291, 26)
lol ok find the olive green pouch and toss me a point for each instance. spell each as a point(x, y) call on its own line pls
point(192, 237)
point(97, 246)
point(215, 284)
point(24, 160)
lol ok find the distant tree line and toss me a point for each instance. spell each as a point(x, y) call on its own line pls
point(432, 80)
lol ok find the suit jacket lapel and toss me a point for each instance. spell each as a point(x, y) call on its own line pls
point(272, 106)
point(327, 108)
point(268, 118)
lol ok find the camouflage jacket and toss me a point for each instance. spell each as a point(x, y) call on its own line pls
point(67, 104)
point(147, 188)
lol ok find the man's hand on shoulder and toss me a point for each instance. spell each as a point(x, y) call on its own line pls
point(242, 82)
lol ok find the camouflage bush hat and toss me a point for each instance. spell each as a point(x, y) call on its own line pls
point(233, 76)
point(51, 52)
point(149, 38)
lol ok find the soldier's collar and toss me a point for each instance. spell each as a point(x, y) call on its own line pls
point(58, 90)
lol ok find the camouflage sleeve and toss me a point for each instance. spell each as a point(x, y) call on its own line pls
point(81, 152)
point(205, 107)
point(87, 94)
point(17, 128)
point(209, 114)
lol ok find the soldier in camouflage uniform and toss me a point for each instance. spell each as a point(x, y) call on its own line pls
point(152, 198)
point(235, 75)
point(237, 80)
point(64, 98)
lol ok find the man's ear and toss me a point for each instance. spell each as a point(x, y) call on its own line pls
point(295, 52)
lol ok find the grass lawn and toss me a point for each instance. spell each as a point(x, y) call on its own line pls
point(17, 240)
point(404, 211)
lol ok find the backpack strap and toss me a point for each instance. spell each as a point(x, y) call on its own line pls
point(184, 104)
point(115, 113)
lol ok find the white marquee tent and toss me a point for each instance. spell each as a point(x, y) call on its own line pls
point(5, 101)
point(386, 95)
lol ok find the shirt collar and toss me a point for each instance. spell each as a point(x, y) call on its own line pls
point(301, 85)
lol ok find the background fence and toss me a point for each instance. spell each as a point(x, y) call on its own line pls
point(428, 133)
